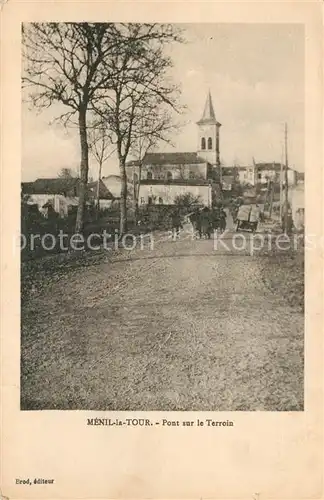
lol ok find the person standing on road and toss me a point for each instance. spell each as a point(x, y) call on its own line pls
point(176, 224)
point(206, 222)
point(222, 219)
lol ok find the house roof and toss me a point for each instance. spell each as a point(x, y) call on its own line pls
point(50, 186)
point(26, 187)
point(113, 184)
point(185, 158)
point(112, 177)
point(63, 186)
point(104, 192)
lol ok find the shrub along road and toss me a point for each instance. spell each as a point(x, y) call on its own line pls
point(179, 327)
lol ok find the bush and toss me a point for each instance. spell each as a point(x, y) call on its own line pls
point(187, 200)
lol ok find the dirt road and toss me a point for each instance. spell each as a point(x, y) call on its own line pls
point(181, 327)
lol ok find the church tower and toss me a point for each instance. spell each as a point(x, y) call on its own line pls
point(208, 134)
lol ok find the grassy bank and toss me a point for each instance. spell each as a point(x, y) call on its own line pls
point(283, 273)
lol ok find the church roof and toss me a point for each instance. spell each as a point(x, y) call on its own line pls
point(170, 159)
point(208, 116)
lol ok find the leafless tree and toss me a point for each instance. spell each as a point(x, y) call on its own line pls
point(140, 81)
point(101, 148)
point(66, 63)
point(67, 173)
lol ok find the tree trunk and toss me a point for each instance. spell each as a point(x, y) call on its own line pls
point(98, 190)
point(136, 212)
point(137, 187)
point(84, 169)
point(123, 198)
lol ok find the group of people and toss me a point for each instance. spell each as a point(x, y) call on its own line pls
point(204, 221)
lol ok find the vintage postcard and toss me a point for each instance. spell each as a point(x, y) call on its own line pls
point(162, 250)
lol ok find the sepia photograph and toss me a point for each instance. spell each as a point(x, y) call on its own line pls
point(162, 216)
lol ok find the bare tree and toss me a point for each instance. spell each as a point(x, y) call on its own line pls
point(67, 173)
point(66, 63)
point(101, 148)
point(140, 81)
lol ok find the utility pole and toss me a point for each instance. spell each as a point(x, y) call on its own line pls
point(286, 181)
point(254, 172)
point(220, 172)
point(280, 184)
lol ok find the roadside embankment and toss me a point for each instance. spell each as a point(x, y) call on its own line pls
point(283, 273)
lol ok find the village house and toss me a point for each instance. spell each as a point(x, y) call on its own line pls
point(260, 173)
point(113, 184)
point(165, 176)
point(61, 194)
point(105, 196)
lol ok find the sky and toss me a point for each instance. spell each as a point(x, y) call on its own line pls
point(255, 73)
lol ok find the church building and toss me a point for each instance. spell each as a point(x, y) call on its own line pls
point(164, 176)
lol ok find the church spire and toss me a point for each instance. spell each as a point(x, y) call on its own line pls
point(209, 113)
point(208, 134)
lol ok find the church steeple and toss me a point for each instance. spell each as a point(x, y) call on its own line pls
point(209, 113)
point(208, 134)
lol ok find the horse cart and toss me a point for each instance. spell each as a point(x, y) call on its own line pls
point(247, 218)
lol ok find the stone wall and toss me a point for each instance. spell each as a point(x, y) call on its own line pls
point(166, 193)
